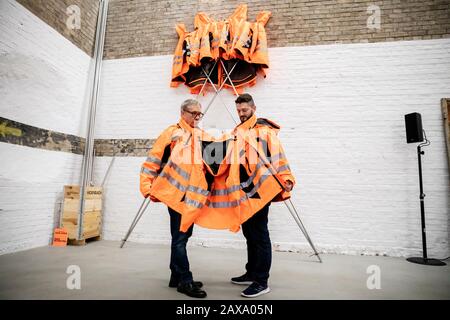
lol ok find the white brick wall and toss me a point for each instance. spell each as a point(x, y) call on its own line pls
point(341, 108)
point(31, 189)
point(43, 76)
point(43, 80)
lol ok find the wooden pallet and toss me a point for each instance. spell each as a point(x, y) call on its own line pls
point(92, 216)
point(82, 242)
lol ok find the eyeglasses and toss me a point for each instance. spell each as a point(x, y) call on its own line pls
point(195, 114)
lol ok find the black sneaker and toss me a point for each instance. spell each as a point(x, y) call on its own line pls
point(244, 279)
point(191, 290)
point(173, 283)
point(254, 290)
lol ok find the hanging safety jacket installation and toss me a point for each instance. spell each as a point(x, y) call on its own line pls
point(234, 41)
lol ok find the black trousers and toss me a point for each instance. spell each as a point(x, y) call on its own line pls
point(179, 263)
point(259, 247)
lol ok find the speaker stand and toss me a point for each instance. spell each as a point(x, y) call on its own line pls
point(427, 261)
point(423, 260)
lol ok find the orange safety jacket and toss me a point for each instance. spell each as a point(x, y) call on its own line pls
point(179, 64)
point(266, 133)
point(264, 157)
point(258, 51)
point(157, 157)
point(173, 170)
point(223, 27)
point(235, 25)
point(204, 50)
point(203, 25)
point(246, 180)
point(259, 54)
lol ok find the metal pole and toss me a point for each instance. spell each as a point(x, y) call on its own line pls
point(424, 259)
point(89, 146)
point(221, 86)
point(299, 222)
point(204, 82)
point(422, 204)
point(91, 171)
point(228, 77)
point(135, 220)
point(218, 93)
point(107, 171)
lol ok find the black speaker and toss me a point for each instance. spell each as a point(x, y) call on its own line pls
point(413, 124)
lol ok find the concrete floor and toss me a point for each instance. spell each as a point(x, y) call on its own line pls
point(140, 271)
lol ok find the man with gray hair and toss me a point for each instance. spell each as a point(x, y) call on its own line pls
point(181, 277)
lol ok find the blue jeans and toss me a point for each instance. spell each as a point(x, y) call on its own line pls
point(259, 247)
point(179, 263)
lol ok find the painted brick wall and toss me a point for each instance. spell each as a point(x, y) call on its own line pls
point(341, 109)
point(44, 76)
point(43, 79)
point(54, 13)
point(31, 190)
point(147, 27)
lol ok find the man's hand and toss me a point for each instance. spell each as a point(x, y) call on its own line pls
point(289, 185)
point(148, 195)
point(152, 198)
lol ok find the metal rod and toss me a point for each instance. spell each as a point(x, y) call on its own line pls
point(109, 168)
point(61, 203)
point(133, 223)
point(91, 172)
point(135, 220)
point(204, 82)
point(302, 227)
point(89, 146)
point(220, 97)
point(221, 86)
point(228, 77)
point(422, 203)
point(98, 55)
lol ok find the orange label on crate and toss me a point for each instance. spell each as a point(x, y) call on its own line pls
point(60, 237)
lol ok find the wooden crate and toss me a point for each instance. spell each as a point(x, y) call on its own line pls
point(92, 217)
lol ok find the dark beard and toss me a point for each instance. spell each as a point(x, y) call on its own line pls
point(243, 119)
